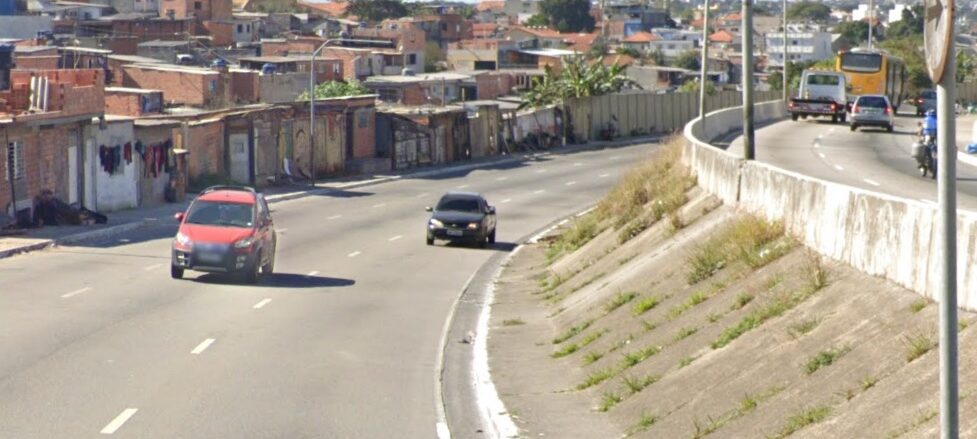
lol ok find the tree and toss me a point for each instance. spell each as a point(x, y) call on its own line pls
point(629, 51)
point(337, 89)
point(538, 20)
point(579, 78)
point(693, 87)
point(568, 15)
point(966, 63)
point(433, 57)
point(910, 50)
point(598, 49)
point(377, 10)
point(688, 60)
point(910, 24)
point(852, 33)
point(808, 10)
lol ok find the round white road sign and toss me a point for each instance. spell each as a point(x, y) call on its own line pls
point(938, 35)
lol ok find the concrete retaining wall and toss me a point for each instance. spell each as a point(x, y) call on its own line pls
point(881, 235)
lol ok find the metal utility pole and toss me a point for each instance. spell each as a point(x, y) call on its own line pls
point(871, 16)
point(705, 67)
point(786, 57)
point(947, 184)
point(749, 149)
point(941, 61)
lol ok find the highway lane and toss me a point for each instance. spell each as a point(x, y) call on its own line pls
point(341, 342)
point(869, 159)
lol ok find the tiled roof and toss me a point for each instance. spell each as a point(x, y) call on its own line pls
point(722, 36)
point(491, 5)
point(333, 9)
point(642, 37)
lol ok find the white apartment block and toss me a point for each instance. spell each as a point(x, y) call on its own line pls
point(804, 43)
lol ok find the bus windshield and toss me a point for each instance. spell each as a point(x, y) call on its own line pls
point(861, 62)
point(823, 80)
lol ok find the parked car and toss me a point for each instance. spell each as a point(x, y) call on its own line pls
point(925, 101)
point(462, 217)
point(227, 229)
point(872, 111)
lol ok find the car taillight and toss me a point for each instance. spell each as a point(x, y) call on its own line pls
point(888, 110)
point(790, 104)
point(855, 109)
point(834, 107)
point(919, 100)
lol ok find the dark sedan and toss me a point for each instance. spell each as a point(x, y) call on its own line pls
point(462, 217)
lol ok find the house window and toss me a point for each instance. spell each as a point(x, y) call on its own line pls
point(198, 5)
point(388, 95)
point(212, 86)
point(240, 28)
point(444, 27)
point(412, 58)
point(363, 118)
point(247, 27)
point(15, 157)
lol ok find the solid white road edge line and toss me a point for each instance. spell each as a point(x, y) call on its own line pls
point(76, 292)
point(486, 395)
point(261, 304)
point(202, 346)
point(119, 420)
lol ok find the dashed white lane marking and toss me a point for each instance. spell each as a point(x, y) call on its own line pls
point(540, 171)
point(502, 179)
point(152, 267)
point(872, 182)
point(605, 175)
point(831, 130)
point(354, 254)
point(615, 157)
point(539, 191)
point(76, 292)
point(119, 420)
point(334, 217)
point(392, 239)
point(577, 164)
point(423, 195)
point(571, 183)
point(312, 273)
point(202, 346)
point(839, 167)
point(821, 154)
point(507, 200)
point(462, 186)
point(261, 304)
point(377, 206)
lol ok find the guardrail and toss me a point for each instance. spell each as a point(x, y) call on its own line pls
point(878, 234)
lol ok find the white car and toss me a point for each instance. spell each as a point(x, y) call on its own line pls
point(872, 111)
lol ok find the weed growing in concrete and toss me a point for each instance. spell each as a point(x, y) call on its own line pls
point(646, 304)
point(618, 301)
point(581, 232)
point(627, 259)
point(593, 337)
point(742, 299)
point(661, 181)
point(685, 332)
point(825, 358)
point(513, 322)
point(635, 384)
point(632, 229)
point(565, 350)
point(817, 273)
point(924, 417)
point(649, 326)
point(635, 357)
point(918, 305)
point(687, 361)
point(961, 325)
point(713, 317)
point(596, 378)
point(756, 318)
point(804, 418)
point(705, 262)
point(752, 240)
point(797, 330)
point(644, 423)
point(620, 343)
point(572, 331)
point(869, 382)
point(693, 300)
point(608, 401)
point(675, 220)
point(592, 357)
point(549, 284)
point(917, 344)
point(747, 405)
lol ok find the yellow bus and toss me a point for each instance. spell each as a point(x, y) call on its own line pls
point(873, 72)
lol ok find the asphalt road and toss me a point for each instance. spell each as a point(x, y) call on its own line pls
point(869, 158)
point(341, 342)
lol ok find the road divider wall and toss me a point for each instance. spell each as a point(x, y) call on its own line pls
point(881, 235)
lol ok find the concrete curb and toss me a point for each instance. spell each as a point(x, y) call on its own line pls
point(966, 158)
point(41, 245)
point(73, 238)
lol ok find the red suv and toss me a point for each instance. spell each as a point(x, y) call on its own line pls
point(227, 229)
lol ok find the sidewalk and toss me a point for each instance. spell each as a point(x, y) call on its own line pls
point(124, 221)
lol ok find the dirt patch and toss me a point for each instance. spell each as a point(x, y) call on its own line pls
point(707, 323)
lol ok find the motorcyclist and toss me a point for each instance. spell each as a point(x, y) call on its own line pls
point(929, 124)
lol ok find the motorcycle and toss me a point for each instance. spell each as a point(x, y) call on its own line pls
point(924, 151)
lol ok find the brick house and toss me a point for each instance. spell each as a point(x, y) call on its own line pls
point(133, 102)
point(412, 90)
point(45, 120)
point(182, 85)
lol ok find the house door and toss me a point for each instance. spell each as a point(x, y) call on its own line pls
point(240, 165)
point(73, 195)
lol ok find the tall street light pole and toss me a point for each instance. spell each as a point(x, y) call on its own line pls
point(786, 57)
point(705, 67)
point(749, 150)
